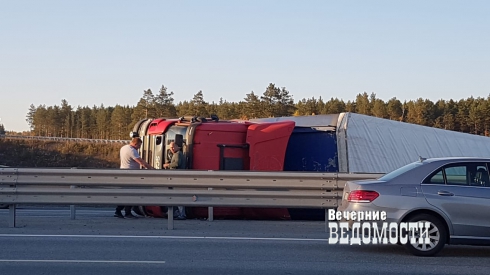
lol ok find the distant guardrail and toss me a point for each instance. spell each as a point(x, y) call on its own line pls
point(106, 141)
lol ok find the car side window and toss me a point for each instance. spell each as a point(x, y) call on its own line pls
point(481, 177)
point(466, 174)
point(456, 175)
point(437, 178)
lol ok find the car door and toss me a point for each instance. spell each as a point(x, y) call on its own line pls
point(462, 191)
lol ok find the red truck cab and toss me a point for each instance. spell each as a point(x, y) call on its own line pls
point(211, 144)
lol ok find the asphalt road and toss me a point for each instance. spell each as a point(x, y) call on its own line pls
point(46, 241)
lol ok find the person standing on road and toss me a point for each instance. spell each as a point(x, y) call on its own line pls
point(177, 162)
point(130, 159)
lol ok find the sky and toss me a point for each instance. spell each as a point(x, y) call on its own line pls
point(108, 52)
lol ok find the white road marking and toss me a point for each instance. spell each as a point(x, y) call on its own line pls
point(82, 261)
point(163, 237)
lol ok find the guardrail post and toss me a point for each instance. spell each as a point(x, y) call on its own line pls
point(170, 217)
point(210, 211)
point(326, 219)
point(12, 211)
point(73, 212)
point(210, 214)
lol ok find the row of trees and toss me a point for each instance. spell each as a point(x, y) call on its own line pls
point(102, 122)
point(467, 115)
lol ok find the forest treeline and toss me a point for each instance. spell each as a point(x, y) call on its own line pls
point(469, 115)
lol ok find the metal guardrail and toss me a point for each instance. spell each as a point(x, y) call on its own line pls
point(64, 139)
point(171, 188)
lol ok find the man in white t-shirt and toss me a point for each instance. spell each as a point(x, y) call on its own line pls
point(130, 159)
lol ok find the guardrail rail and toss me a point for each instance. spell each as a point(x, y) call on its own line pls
point(171, 188)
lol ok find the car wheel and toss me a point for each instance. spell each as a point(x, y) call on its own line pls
point(437, 235)
point(4, 206)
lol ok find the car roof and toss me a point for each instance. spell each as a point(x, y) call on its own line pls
point(453, 159)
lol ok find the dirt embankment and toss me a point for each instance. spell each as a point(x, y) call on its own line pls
point(36, 153)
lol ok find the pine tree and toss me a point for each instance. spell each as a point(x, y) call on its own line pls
point(394, 109)
point(225, 110)
point(164, 104)
point(252, 106)
point(102, 122)
point(198, 105)
point(118, 123)
point(311, 107)
point(363, 106)
point(65, 116)
point(335, 106)
point(379, 108)
point(277, 101)
point(269, 100)
point(30, 116)
point(39, 121)
point(145, 107)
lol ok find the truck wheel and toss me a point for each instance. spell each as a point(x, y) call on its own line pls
point(437, 234)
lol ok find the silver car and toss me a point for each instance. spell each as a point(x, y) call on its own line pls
point(452, 194)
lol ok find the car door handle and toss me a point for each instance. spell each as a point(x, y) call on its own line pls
point(444, 193)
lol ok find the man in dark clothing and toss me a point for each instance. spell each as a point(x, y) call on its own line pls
point(177, 162)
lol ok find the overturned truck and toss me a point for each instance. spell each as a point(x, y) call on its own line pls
point(335, 143)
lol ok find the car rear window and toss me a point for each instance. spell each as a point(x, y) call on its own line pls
point(400, 171)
